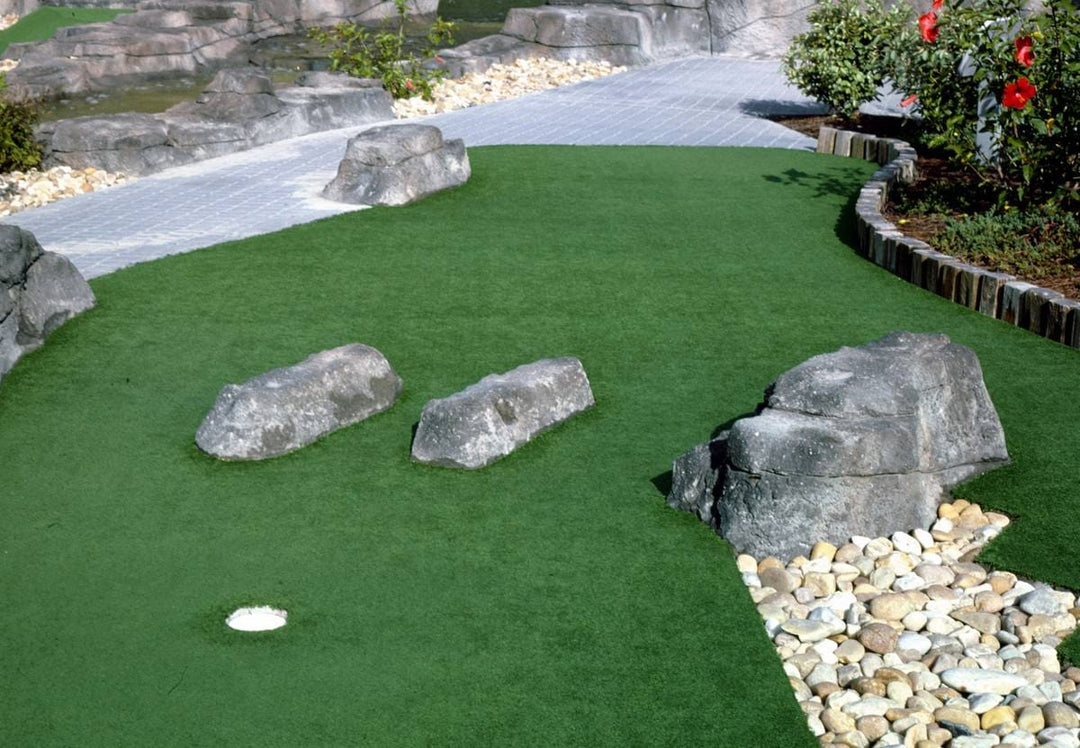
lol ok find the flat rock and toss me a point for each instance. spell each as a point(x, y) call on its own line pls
point(977, 680)
point(287, 408)
point(398, 164)
point(39, 291)
point(490, 419)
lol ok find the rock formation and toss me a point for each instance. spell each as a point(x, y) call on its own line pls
point(490, 419)
point(39, 291)
point(238, 110)
point(855, 442)
point(398, 164)
point(288, 408)
point(629, 33)
point(167, 38)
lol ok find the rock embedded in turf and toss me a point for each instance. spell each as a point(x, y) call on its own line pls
point(288, 408)
point(901, 419)
point(39, 291)
point(490, 419)
point(397, 165)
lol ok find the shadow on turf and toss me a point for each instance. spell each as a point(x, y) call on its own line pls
point(662, 482)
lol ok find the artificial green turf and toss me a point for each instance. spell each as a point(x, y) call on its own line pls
point(549, 599)
point(43, 22)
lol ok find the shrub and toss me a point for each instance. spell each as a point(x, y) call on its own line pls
point(840, 60)
point(19, 149)
point(1000, 91)
point(1031, 243)
point(363, 54)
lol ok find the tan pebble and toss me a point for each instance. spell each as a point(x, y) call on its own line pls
point(996, 519)
point(959, 716)
point(823, 689)
point(891, 607)
point(746, 564)
point(837, 721)
point(997, 715)
point(989, 602)
point(948, 511)
point(939, 735)
point(872, 726)
point(1001, 581)
point(1031, 719)
point(769, 562)
point(847, 553)
point(878, 637)
point(823, 550)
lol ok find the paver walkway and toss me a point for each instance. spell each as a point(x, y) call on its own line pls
point(707, 101)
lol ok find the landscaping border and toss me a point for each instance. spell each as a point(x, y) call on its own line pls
point(1000, 295)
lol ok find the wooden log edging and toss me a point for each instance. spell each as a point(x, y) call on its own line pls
point(999, 295)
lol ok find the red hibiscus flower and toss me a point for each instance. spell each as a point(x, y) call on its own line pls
point(1024, 55)
point(928, 26)
point(1018, 94)
point(937, 4)
point(909, 100)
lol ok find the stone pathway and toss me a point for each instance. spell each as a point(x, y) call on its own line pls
point(707, 101)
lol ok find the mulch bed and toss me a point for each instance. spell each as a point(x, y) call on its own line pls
point(932, 170)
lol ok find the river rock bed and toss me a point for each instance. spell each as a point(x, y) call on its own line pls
point(906, 641)
point(20, 190)
point(500, 82)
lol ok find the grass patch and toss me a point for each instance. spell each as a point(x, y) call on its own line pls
point(550, 599)
point(43, 23)
point(482, 10)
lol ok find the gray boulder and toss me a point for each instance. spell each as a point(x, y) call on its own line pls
point(238, 110)
point(398, 164)
point(288, 408)
point(39, 291)
point(490, 419)
point(863, 441)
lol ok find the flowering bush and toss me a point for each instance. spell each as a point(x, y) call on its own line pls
point(382, 55)
point(1000, 90)
point(840, 60)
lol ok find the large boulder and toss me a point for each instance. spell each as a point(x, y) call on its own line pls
point(288, 408)
point(238, 110)
point(39, 291)
point(490, 419)
point(398, 164)
point(862, 441)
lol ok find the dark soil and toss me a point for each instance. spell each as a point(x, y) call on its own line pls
point(955, 192)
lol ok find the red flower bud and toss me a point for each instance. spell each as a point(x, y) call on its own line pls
point(909, 100)
point(928, 26)
point(1024, 55)
point(937, 4)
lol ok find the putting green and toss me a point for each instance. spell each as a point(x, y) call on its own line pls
point(43, 23)
point(551, 598)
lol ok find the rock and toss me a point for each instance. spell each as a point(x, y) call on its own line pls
point(985, 623)
point(891, 607)
point(1040, 601)
point(693, 483)
point(957, 720)
point(1057, 714)
point(238, 110)
point(975, 680)
point(39, 291)
point(878, 637)
point(168, 38)
point(490, 419)
point(901, 419)
point(288, 408)
point(398, 164)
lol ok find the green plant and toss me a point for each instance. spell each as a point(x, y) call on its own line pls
point(999, 90)
point(382, 54)
point(1032, 243)
point(19, 148)
point(840, 60)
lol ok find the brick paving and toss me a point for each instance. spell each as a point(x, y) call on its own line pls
point(700, 101)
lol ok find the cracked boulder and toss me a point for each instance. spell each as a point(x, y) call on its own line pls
point(855, 442)
point(398, 164)
point(288, 408)
point(238, 110)
point(39, 291)
point(490, 419)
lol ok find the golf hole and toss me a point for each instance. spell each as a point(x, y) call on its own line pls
point(257, 619)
